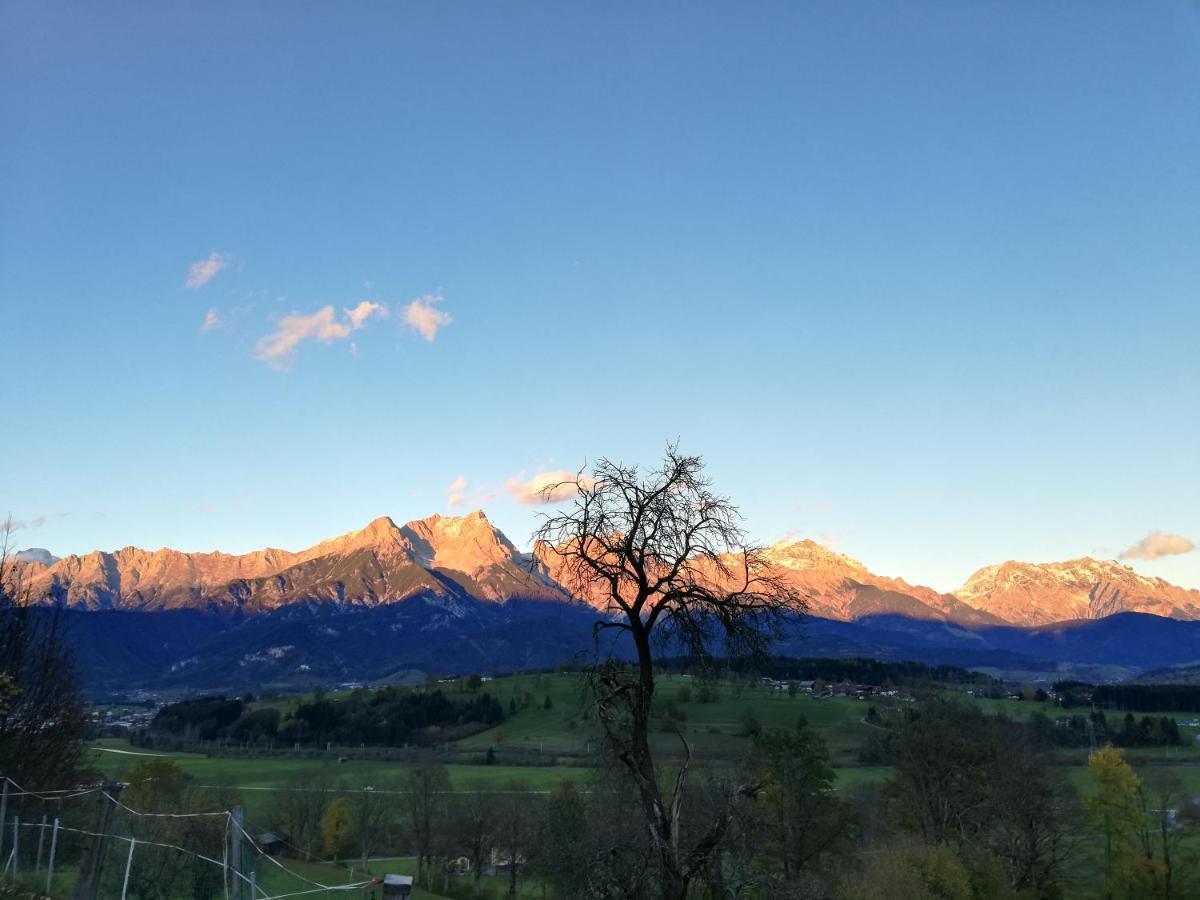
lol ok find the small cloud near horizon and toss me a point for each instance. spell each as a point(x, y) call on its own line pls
point(205, 270)
point(279, 348)
point(12, 524)
point(422, 317)
point(1158, 544)
point(460, 493)
point(546, 487)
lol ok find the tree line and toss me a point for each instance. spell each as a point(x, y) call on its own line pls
point(861, 670)
point(1144, 697)
point(1095, 730)
point(389, 717)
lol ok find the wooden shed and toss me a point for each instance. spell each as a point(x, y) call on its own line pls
point(397, 886)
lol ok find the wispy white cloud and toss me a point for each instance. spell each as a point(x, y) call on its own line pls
point(461, 492)
point(36, 522)
point(828, 539)
point(279, 348)
point(359, 314)
point(546, 487)
point(455, 495)
point(1158, 544)
point(424, 318)
point(205, 270)
point(212, 320)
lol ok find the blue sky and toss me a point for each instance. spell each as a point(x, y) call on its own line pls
point(920, 279)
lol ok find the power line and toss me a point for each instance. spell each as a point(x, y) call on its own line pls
point(191, 815)
point(336, 887)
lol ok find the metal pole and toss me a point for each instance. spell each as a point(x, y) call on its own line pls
point(235, 853)
point(53, 847)
point(41, 841)
point(128, 866)
point(253, 886)
point(16, 834)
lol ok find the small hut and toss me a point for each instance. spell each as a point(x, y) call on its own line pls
point(397, 886)
point(272, 842)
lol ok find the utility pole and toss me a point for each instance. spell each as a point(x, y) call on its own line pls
point(94, 845)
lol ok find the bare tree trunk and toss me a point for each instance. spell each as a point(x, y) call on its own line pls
point(664, 820)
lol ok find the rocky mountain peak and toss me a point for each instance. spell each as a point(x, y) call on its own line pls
point(468, 543)
point(808, 554)
point(1084, 588)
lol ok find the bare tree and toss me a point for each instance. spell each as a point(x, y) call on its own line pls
point(516, 813)
point(41, 711)
point(429, 785)
point(669, 560)
point(298, 808)
point(1169, 836)
point(475, 827)
point(369, 810)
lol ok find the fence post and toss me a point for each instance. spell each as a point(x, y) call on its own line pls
point(41, 842)
point(235, 853)
point(53, 847)
point(128, 866)
point(16, 843)
point(94, 846)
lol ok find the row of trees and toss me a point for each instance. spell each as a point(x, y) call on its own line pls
point(1146, 697)
point(486, 826)
point(1095, 730)
point(389, 717)
point(864, 670)
point(1149, 697)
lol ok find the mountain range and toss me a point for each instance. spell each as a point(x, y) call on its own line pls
point(467, 556)
point(450, 594)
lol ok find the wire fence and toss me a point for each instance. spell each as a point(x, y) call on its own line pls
point(87, 843)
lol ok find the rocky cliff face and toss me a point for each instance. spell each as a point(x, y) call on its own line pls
point(1039, 594)
point(840, 587)
point(382, 563)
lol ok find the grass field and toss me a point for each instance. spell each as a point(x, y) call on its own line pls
point(715, 730)
point(257, 780)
